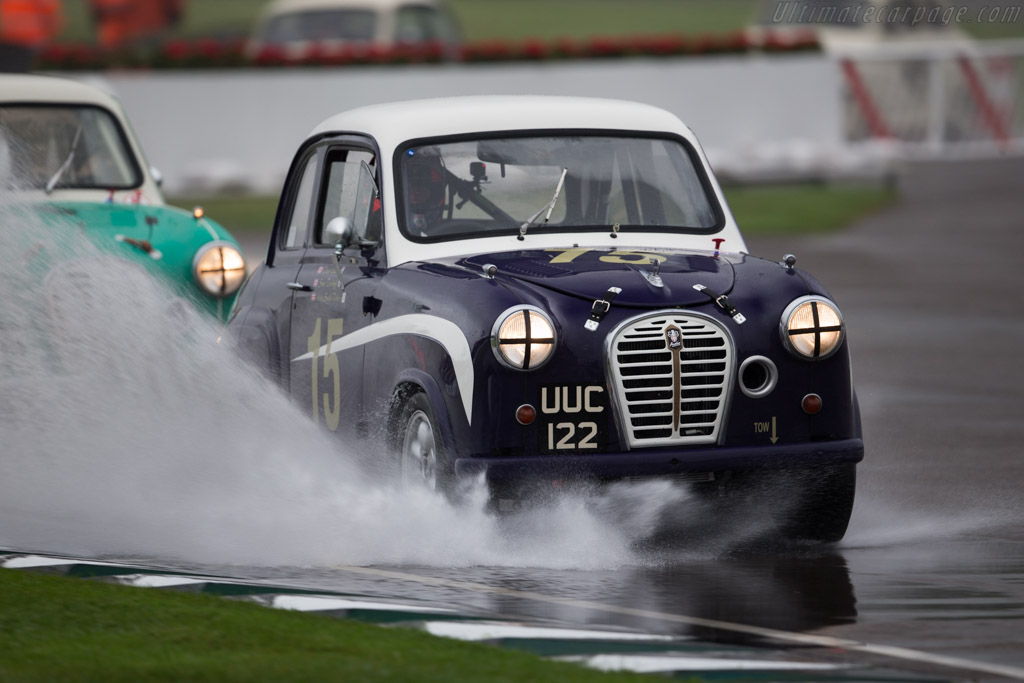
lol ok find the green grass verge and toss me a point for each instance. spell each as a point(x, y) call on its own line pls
point(544, 19)
point(214, 18)
point(486, 19)
point(519, 19)
point(796, 209)
point(60, 629)
point(237, 213)
point(758, 210)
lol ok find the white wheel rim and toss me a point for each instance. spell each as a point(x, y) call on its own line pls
point(419, 452)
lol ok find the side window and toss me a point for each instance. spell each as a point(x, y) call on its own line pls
point(295, 234)
point(444, 26)
point(349, 191)
point(421, 24)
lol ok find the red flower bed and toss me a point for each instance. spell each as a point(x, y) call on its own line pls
point(211, 53)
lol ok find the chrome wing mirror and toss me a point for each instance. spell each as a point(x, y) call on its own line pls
point(341, 233)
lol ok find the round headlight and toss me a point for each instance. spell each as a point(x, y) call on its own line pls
point(219, 269)
point(812, 327)
point(523, 338)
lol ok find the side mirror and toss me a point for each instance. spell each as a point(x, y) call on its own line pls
point(340, 232)
point(158, 177)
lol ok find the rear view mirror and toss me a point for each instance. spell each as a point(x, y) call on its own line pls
point(526, 151)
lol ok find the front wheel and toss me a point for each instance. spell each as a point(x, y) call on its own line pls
point(820, 503)
point(798, 503)
point(422, 459)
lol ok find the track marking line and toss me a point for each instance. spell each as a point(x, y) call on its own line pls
point(316, 603)
point(893, 652)
point(33, 561)
point(512, 631)
point(160, 581)
point(667, 663)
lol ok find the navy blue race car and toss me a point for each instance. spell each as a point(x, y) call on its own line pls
point(539, 290)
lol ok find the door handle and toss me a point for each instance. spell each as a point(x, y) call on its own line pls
point(298, 287)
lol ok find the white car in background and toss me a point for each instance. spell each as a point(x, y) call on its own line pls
point(296, 25)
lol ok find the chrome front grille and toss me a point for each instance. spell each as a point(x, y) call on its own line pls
point(668, 396)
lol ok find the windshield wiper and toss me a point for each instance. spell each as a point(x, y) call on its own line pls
point(549, 207)
point(52, 182)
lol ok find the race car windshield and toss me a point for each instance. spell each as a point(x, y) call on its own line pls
point(487, 187)
point(321, 25)
point(65, 147)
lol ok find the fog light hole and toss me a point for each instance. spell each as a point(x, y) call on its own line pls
point(758, 376)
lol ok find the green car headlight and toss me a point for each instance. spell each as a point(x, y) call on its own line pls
point(812, 328)
point(523, 338)
point(219, 269)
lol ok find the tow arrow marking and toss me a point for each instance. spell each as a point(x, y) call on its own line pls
point(775, 436)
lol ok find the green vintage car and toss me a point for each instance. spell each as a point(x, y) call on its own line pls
point(68, 155)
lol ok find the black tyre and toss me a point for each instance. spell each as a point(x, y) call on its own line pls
point(416, 440)
point(823, 502)
point(795, 504)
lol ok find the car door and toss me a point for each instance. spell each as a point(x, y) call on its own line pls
point(262, 323)
point(334, 288)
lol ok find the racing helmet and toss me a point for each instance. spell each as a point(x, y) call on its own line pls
point(425, 178)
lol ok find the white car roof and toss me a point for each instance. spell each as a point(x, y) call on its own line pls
point(393, 124)
point(285, 6)
point(30, 88)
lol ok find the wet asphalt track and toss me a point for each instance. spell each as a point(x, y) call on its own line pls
point(933, 295)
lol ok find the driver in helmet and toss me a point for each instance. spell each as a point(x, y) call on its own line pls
point(425, 175)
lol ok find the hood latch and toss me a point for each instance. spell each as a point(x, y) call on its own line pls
point(600, 308)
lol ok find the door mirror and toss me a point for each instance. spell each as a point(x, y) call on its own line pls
point(339, 232)
point(351, 213)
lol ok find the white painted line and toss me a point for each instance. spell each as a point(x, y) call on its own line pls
point(30, 561)
point(444, 332)
point(497, 631)
point(312, 603)
point(667, 663)
point(160, 580)
point(893, 652)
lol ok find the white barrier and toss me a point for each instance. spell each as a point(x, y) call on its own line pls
point(757, 116)
point(208, 129)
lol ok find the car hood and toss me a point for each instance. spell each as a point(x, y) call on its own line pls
point(589, 273)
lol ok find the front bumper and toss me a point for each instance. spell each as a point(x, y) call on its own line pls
point(611, 466)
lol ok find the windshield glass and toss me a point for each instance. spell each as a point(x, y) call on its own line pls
point(37, 141)
point(486, 187)
point(321, 25)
